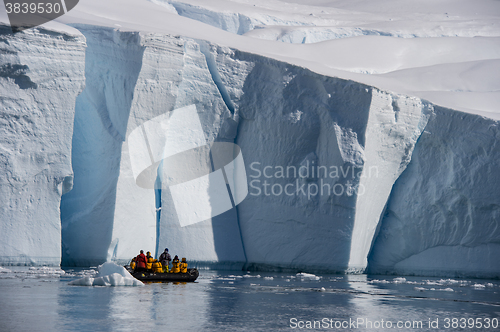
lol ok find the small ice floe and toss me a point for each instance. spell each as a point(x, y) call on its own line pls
point(448, 289)
point(4, 270)
point(449, 281)
point(431, 283)
point(322, 289)
point(45, 271)
point(109, 274)
point(307, 276)
point(413, 282)
point(422, 289)
point(399, 280)
point(479, 286)
point(376, 281)
point(268, 278)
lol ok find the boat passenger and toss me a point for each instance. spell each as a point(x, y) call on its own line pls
point(175, 265)
point(149, 261)
point(157, 268)
point(140, 262)
point(165, 259)
point(132, 264)
point(184, 265)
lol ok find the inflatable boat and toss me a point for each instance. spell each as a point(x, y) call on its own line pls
point(190, 276)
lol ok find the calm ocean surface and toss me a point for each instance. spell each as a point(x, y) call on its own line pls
point(40, 299)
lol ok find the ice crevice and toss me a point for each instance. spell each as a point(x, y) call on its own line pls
point(212, 67)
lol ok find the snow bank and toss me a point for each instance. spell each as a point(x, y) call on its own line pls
point(109, 274)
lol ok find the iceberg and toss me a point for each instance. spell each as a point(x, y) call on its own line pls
point(109, 274)
point(351, 164)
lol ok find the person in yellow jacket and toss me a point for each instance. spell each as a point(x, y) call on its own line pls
point(184, 265)
point(132, 264)
point(157, 268)
point(175, 265)
point(149, 260)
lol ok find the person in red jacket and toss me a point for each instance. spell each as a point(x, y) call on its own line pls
point(140, 262)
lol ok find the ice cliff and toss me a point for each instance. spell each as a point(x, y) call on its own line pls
point(342, 176)
point(41, 74)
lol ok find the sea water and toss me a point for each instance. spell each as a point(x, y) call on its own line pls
point(40, 299)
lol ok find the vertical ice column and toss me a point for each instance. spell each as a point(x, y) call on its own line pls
point(205, 180)
point(394, 125)
point(162, 137)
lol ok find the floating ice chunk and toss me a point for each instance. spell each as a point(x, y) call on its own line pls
point(4, 270)
point(413, 283)
point(376, 281)
point(479, 286)
point(399, 280)
point(109, 274)
point(268, 278)
point(420, 289)
point(431, 282)
point(447, 289)
point(308, 276)
point(44, 270)
point(85, 281)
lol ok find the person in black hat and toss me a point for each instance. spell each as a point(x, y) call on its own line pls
point(165, 260)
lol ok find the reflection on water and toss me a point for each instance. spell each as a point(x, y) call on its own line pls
point(239, 301)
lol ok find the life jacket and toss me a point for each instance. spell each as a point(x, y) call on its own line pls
point(132, 264)
point(149, 262)
point(141, 261)
point(157, 268)
point(175, 266)
point(184, 267)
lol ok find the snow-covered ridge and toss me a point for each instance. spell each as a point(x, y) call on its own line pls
point(364, 38)
point(301, 22)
